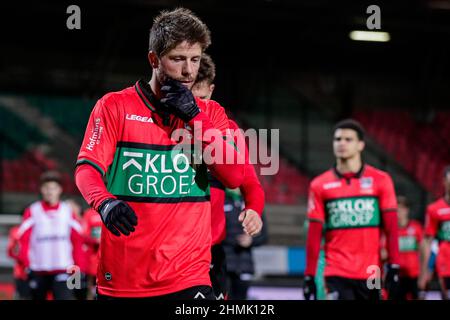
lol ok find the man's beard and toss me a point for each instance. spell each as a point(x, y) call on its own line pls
point(162, 77)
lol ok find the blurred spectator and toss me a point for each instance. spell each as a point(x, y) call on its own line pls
point(238, 247)
point(50, 238)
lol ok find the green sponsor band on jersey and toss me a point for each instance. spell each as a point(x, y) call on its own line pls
point(444, 231)
point(352, 212)
point(156, 173)
point(407, 243)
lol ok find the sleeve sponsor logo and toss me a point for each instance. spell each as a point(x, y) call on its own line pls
point(311, 205)
point(352, 213)
point(96, 134)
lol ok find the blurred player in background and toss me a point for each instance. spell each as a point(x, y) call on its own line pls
point(251, 188)
point(82, 292)
point(204, 83)
point(319, 279)
point(156, 233)
point(350, 202)
point(92, 227)
point(437, 224)
point(22, 289)
point(50, 239)
point(410, 235)
point(238, 247)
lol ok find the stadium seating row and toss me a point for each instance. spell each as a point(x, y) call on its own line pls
point(420, 147)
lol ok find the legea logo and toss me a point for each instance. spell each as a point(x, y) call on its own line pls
point(134, 117)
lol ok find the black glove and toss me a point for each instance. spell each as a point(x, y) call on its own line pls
point(309, 288)
point(179, 100)
point(392, 281)
point(117, 216)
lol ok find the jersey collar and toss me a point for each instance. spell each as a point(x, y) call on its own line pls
point(357, 174)
point(146, 94)
point(149, 99)
point(47, 207)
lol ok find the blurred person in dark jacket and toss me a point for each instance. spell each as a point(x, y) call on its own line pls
point(238, 247)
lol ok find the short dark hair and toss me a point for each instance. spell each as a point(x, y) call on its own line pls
point(170, 28)
point(207, 70)
point(353, 125)
point(402, 200)
point(51, 176)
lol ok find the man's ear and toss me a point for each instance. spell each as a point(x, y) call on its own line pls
point(153, 59)
point(211, 88)
point(362, 145)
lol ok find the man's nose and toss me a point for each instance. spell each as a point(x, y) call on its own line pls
point(187, 68)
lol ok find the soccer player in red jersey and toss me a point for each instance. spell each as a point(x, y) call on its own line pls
point(437, 224)
point(50, 241)
point(92, 227)
point(156, 237)
point(410, 235)
point(250, 188)
point(351, 203)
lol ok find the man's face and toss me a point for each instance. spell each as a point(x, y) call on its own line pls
point(447, 183)
point(346, 144)
point(403, 212)
point(181, 63)
point(51, 192)
point(203, 90)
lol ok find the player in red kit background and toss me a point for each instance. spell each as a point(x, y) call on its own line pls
point(437, 225)
point(351, 203)
point(250, 188)
point(92, 227)
point(410, 235)
point(156, 233)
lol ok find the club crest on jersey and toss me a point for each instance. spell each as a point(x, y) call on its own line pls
point(366, 183)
